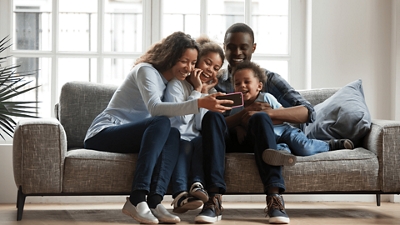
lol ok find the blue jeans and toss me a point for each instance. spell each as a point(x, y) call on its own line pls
point(189, 166)
point(299, 144)
point(216, 140)
point(155, 141)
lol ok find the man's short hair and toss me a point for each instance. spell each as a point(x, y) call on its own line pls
point(239, 28)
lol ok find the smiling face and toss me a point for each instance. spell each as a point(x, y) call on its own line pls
point(246, 82)
point(185, 64)
point(238, 47)
point(210, 64)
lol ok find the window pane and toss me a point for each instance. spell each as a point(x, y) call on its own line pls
point(123, 26)
point(76, 69)
point(181, 15)
point(40, 69)
point(78, 25)
point(279, 67)
point(270, 24)
point(32, 25)
point(116, 70)
point(221, 15)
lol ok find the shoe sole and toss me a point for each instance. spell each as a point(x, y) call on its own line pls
point(207, 219)
point(140, 220)
point(188, 206)
point(348, 145)
point(279, 220)
point(200, 195)
point(278, 158)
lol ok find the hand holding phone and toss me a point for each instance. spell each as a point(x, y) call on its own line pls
point(236, 97)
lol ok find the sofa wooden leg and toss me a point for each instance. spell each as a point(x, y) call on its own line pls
point(20, 203)
point(378, 199)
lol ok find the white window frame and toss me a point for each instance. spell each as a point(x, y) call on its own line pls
point(152, 23)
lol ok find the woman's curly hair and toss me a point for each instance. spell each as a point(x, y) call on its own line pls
point(166, 53)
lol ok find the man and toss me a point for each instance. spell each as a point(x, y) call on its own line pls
point(239, 46)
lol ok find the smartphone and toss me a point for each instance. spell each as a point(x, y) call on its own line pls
point(236, 97)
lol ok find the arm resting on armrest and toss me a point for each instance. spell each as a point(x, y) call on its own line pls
point(39, 148)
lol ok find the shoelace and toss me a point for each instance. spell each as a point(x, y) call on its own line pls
point(274, 203)
point(215, 204)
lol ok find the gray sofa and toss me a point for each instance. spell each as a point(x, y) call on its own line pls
point(49, 159)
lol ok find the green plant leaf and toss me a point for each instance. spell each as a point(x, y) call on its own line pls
point(13, 84)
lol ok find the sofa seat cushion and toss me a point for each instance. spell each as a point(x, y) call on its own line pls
point(335, 171)
point(90, 171)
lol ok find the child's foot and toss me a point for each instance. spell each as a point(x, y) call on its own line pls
point(278, 158)
point(182, 203)
point(197, 191)
point(336, 144)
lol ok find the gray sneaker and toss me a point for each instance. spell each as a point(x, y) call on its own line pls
point(212, 210)
point(278, 158)
point(338, 144)
point(276, 209)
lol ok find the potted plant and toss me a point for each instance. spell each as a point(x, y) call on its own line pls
point(12, 84)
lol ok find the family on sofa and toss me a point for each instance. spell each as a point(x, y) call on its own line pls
point(169, 111)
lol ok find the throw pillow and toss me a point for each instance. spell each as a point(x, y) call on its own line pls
point(343, 115)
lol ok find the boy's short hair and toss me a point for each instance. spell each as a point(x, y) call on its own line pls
point(259, 73)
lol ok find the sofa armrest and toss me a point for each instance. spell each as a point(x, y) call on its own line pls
point(384, 141)
point(39, 148)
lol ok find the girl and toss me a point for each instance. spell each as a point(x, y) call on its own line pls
point(190, 163)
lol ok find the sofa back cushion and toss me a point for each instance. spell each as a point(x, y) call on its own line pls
point(316, 96)
point(80, 102)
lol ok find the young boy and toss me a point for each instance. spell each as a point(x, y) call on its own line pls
point(248, 78)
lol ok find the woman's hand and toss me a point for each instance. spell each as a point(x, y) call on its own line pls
point(211, 102)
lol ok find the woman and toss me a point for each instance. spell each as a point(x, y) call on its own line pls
point(136, 121)
point(189, 168)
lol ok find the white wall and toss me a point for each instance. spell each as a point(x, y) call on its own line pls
point(8, 189)
point(396, 59)
point(351, 39)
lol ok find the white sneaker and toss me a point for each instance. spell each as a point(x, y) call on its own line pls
point(164, 216)
point(141, 212)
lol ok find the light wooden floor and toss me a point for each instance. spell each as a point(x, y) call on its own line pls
point(234, 213)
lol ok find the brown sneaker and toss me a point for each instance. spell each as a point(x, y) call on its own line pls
point(183, 202)
point(278, 158)
point(197, 190)
point(212, 210)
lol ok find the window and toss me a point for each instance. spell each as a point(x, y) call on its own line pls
point(98, 40)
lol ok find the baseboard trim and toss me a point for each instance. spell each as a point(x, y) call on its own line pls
point(226, 198)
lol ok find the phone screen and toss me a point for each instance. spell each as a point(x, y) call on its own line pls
point(236, 97)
